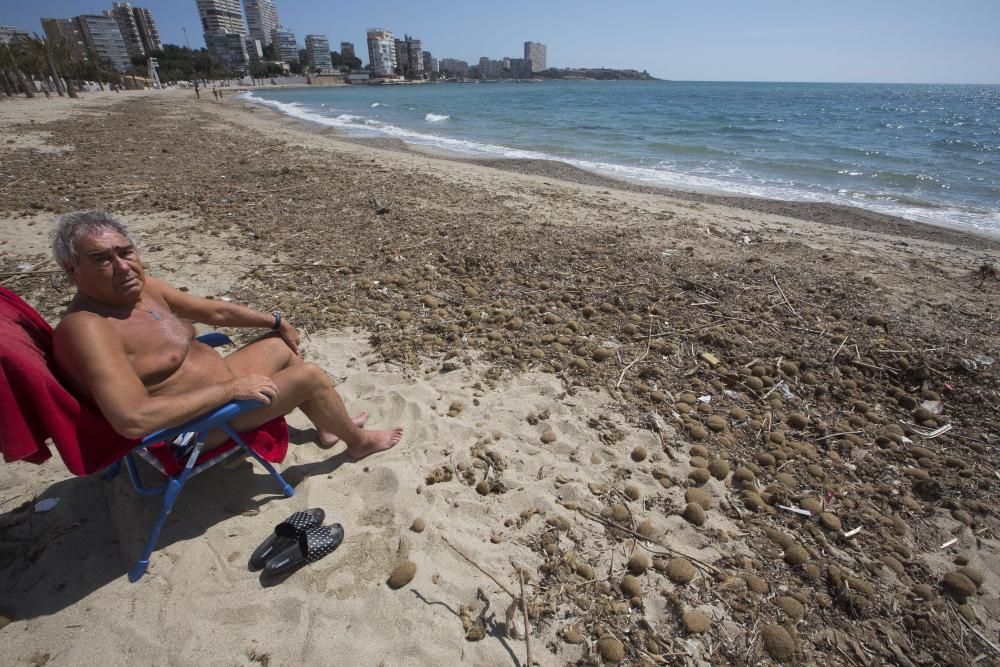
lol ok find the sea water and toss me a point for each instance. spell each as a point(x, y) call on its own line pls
point(929, 153)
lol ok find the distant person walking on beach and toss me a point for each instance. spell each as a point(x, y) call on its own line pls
point(126, 341)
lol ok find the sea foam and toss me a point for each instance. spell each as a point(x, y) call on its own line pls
point(736, 182)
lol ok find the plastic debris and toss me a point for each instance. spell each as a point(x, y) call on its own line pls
point(935, 407)
point(710, 358)
point(797, 510)
point(949, 543)
point(46, 505)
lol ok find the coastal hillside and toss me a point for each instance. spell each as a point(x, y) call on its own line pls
point(599, 73)
point(641, 429)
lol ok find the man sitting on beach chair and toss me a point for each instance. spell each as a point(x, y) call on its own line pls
point(123, 343)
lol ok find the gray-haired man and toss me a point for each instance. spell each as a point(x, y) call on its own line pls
point(126, 341)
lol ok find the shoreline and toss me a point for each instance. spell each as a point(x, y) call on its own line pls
point(842, 215)
point(566, 360)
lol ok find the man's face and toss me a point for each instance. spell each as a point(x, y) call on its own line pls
point(108, 268)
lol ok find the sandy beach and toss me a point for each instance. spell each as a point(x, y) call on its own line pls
point(616, 391)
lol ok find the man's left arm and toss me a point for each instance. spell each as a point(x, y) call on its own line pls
point(218, 313)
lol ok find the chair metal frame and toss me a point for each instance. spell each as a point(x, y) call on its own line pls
point(181, 437)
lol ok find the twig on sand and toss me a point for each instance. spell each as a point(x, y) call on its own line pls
point(524, 610)
point(478, 567)
point(986, 640)
point(834, 435)
point(639, 536)
point(633, 362)
point(13, 183)
point(842, 343)
point(782, 293)
point(287, 238)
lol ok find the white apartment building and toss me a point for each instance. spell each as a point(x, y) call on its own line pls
point(286, 49)
point(536, 55)
point(104, 40)
point(225, 34)
point(262, 19)
point(381, 52)
point(318, 53)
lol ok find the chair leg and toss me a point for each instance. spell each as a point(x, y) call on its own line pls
point(285, 486)
point(113, 470)
point(169, 498)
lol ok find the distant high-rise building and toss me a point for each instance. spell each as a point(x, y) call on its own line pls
point(414, 56)
point(11, 35)
point(229, 49)
point(255, 50)
point(68, 31)
point(104, 40)
point(381, 52)
point(489, 69)
point(454, 67)
point(430, 62)
point(517, 68)
point(318, 53)
point(221, 16)
point(536, 56)
point(347, 50)
point(262, 19)
point(225, 34)
point(147, 29)
point(123, 15)
point(409, 61)
point(285, 48)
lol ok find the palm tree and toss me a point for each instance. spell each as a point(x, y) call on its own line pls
point(62, 55)
point(41, 50)
point(34, 54)
point(18, 76)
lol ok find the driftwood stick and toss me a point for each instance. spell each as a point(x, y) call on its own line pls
point(834, 435)
point(640, 536)
point(834, 357)
point(524, 610)
point(633, 363)
point(782, 293)
point(478, 567)
point(287, 238)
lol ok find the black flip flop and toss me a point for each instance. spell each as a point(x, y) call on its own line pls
point(286, 534)
point(312, 545)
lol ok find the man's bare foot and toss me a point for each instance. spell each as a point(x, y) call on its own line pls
point(374, 442)
point(328, 440)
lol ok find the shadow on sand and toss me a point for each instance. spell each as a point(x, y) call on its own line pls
point(52, 560)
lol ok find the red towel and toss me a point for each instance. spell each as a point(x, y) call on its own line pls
point(34, 406)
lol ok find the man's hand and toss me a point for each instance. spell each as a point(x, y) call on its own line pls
point(289, 335)
point(253, 387)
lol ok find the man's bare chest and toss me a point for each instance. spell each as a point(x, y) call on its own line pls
point(156, 342)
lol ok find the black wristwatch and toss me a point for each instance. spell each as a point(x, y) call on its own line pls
point(277, 320)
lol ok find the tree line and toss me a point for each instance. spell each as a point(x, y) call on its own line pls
point(53, 64)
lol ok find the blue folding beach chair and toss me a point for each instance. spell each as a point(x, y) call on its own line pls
point(186, 443)
point(37, 409)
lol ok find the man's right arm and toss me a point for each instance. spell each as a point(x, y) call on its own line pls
point(87, 348)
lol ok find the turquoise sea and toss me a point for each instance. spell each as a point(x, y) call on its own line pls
point(923, 152)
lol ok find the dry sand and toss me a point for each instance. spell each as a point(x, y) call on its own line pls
point(487, 310)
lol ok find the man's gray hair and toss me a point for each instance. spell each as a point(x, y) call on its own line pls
point(69, 228)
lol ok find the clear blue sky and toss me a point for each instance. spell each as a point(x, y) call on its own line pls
point(945, 41)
